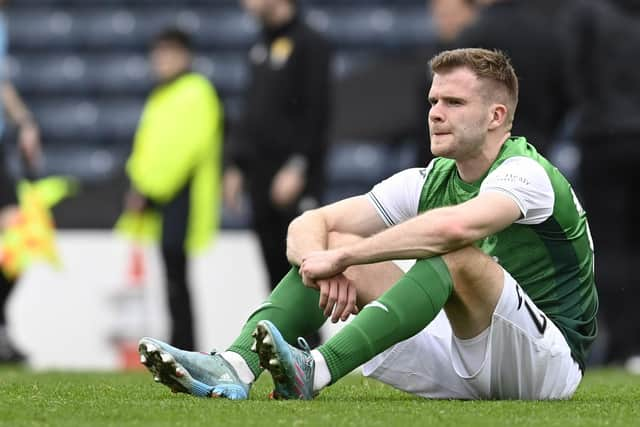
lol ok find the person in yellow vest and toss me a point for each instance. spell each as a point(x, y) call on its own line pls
point(174, 169)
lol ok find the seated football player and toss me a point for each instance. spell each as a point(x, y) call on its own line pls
point(501, 300)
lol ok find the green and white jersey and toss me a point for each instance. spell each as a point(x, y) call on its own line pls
point(548, 251)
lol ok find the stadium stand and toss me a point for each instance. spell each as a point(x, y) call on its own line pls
point(81, 65)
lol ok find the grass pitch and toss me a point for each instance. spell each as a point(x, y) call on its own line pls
point(606, 397)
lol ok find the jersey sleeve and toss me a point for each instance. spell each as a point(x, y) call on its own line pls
point(527, 183)
point(397, 198)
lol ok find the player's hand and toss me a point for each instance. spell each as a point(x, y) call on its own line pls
point(29, 143)
point(134, 201)
point(307, 281)
point(322, 264)
point(337, 297)
point(287, 186)
point(232, 184)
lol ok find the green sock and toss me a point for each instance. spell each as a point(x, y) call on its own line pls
point(292, 307)
point(401, 312)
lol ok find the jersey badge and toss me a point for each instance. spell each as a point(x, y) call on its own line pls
point(281, 50)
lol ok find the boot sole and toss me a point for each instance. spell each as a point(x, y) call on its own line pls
point(163, 367)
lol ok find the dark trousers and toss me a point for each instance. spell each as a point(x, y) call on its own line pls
point(271, 225)
point(7, 198)
point(175, 217)
point(609, 180)
point(272, 235)
point(6, 286)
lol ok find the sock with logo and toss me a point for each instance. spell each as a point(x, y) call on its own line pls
point(240, 365)
point(401, 312)
point(291, 307)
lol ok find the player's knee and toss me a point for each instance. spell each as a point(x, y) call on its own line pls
point(466, 264)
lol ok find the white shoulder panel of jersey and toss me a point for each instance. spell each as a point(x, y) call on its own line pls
point(527, 183)
point(397, 198)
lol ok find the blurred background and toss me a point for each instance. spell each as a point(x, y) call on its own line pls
point(82, 68)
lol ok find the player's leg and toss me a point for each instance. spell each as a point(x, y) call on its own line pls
point(371, 281)
point(477, 285)
point(408, 305)
point(291, 306)
point(521, 355)
point(399, 313)
point(503, 345)
point(467, 283)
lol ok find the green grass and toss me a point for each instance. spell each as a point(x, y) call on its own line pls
point(606, 397)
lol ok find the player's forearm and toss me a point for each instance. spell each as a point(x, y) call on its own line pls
point(307, 233)
point(435, 233)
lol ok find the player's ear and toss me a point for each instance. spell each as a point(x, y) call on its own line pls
point(498, 116)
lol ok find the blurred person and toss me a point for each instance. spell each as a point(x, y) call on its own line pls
point(450, 17)
point(500, 303)
point(397, 81)
point(174, 168)
point(279, 149)
point(30, 150)
point(518, 28)
point(603, 55)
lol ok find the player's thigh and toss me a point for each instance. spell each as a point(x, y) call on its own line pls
point(477, 286)
point(373, 280)
point(521, 355)
point(528, 357)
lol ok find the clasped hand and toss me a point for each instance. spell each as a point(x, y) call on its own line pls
point(323, 271)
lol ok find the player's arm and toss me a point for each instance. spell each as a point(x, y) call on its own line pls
point(437, 231)
point(434, 232)
point(309, 232)
point(519, 190)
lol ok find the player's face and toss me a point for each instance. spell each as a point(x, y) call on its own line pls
point(169, 60)
point(459, 114)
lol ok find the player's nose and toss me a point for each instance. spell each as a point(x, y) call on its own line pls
point(435, 114)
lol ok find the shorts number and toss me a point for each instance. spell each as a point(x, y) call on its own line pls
point(540, 321)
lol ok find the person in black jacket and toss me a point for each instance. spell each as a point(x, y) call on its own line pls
point(279, 145)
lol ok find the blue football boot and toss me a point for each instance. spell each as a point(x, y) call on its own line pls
point(199, 374)
point(292, 369)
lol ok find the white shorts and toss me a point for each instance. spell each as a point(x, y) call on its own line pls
point(512, 359)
